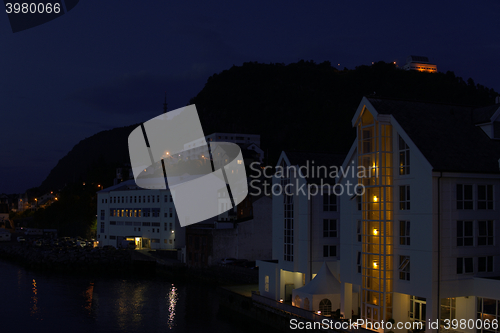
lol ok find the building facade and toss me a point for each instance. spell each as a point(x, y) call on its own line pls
point(126, 212)
point(423, 244)
point(305, 229)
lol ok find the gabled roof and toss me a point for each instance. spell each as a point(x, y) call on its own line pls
point(446, 134)
point(324, 283)
point(319, 159)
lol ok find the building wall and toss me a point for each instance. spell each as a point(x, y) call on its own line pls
point(130, 225)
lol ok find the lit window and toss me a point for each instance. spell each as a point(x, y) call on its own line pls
point(404, 157)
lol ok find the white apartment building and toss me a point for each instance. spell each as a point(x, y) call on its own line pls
point(147, 217)
point(422, 242)
point(305, 232)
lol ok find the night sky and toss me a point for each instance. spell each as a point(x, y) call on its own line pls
point(107, 64)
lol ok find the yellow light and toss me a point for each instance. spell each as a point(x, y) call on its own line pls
point(375, 199)
point(375, 265)
point(375, 232)
point(281, 300)
point(203, 156)
point(172, 231)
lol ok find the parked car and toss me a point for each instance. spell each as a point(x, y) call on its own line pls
point(21, 239)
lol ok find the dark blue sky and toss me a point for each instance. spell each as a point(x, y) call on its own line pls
point(107, 64)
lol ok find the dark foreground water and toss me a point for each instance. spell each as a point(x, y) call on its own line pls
point(32, 301)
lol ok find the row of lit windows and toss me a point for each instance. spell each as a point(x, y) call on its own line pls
point(138, 212)
point(153, 240)
point(138, 199)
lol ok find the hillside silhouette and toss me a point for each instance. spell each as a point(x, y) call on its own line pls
point(302, 106)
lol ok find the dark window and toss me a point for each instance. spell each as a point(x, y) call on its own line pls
point(465, 265)
point(329, 251)
point(485, 197)
point(464, 197)
point(329, 202)
point(465, 233)
point(329, 228)
point(485, 264)
point(404, 197)
point(485, 233)
point(404, 232)
point(404, 268)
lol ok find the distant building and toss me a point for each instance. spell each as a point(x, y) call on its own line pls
point(419, 63)
point(146, 217)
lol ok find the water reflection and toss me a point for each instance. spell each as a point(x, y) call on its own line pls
point(172, 302)
point(89, 295)
point(34, 298)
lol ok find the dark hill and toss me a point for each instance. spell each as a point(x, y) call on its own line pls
point(300, 106)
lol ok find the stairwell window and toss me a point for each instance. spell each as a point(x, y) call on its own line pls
point(404, 157)
point(464, 197)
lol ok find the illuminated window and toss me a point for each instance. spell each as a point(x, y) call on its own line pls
point(404, 157)
point(404, 268)
point(464, 197)
point(404, 232)
point(266, 283)
point(465, 233)
point(325, 306)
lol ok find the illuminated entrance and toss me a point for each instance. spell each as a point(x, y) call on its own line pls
point(375, 155)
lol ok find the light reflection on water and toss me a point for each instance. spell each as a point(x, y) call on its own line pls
point(62, 303)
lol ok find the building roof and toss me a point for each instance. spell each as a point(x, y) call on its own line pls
point(446, 134)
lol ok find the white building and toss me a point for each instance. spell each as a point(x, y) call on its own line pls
point(419, 63)
point(147, 217)
point(305, 232)
point(422, 243)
